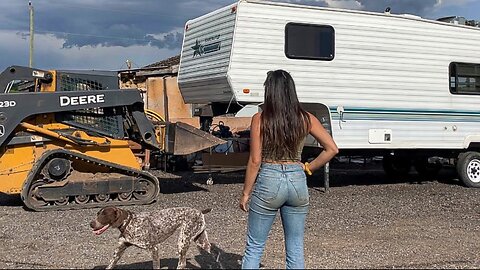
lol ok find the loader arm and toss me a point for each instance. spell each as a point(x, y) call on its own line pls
point(15, 108)
point(23, 73)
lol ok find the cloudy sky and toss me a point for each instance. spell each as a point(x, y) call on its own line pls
point(103, 34)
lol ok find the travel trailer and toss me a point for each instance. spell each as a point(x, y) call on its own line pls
point(395, 85)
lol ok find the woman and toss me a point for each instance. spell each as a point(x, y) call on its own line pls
point(277, 137)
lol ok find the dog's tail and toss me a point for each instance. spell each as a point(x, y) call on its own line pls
point(204, 211)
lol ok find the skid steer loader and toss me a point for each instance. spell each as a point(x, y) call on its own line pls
point(64, 140)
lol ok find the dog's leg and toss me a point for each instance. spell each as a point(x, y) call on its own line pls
point(203, 245)
point(155, 258)
point(202, 238)
point(184, 241)
point(182, 254)
point(202, 241)
point(117, 254)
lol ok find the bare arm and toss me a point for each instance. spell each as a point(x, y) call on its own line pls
point(254, 161)
point(330, 149)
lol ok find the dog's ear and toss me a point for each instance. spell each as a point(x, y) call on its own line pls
point(120, 216)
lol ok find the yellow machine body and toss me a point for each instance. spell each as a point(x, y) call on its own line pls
point(17, 161)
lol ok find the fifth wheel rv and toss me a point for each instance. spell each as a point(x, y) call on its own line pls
point(395, 85)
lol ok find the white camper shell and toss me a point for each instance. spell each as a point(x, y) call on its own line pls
point(380, 82)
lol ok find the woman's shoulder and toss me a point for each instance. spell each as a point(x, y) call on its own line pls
point(257, 116)
point(256, 119)
point(311, 116)
point(313, 120)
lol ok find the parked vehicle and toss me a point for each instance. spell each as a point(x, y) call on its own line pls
point(66, 140)
point(395, 85)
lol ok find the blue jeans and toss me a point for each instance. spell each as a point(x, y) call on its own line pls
point(278, 187)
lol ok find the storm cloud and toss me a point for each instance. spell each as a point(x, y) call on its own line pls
point(416, 7)
point(108, 22)
point(143, 30)
point(147, 22)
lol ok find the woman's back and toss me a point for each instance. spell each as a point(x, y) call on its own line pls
point(268, 156)
point(284, 124)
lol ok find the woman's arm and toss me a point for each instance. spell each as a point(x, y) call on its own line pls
point(330, 149)
point(254, 161)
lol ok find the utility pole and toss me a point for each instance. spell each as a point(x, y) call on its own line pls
point(31, 33)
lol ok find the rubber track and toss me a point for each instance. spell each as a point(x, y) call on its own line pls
point(37, 168)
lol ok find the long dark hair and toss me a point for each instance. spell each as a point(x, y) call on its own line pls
point(284, 124)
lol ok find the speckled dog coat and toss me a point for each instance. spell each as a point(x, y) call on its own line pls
point(148, 229)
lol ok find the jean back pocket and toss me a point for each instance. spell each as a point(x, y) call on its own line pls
point(268, 184)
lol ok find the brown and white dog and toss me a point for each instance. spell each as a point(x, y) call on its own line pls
point(148, 229)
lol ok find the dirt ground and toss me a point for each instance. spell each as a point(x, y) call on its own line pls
point(363, 221)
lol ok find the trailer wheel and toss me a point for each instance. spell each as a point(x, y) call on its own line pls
point(395, 166)
point(468, 168)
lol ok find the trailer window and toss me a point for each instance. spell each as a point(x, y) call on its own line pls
point(465, 79)
point(309, 41)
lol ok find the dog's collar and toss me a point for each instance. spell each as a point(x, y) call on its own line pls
point(125, 223)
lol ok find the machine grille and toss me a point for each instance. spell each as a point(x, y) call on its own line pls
point(106, 121)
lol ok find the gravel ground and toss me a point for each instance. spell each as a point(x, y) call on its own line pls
point(363, 221)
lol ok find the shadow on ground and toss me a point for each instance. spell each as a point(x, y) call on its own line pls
point(188, 181)
point(178, 185)
point(10, 200)
point(218, 178)
point(218, 259)
point(342, 174)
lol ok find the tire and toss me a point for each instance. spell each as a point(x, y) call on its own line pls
point(426, 170)
point(395, 166)
point(468, 169)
